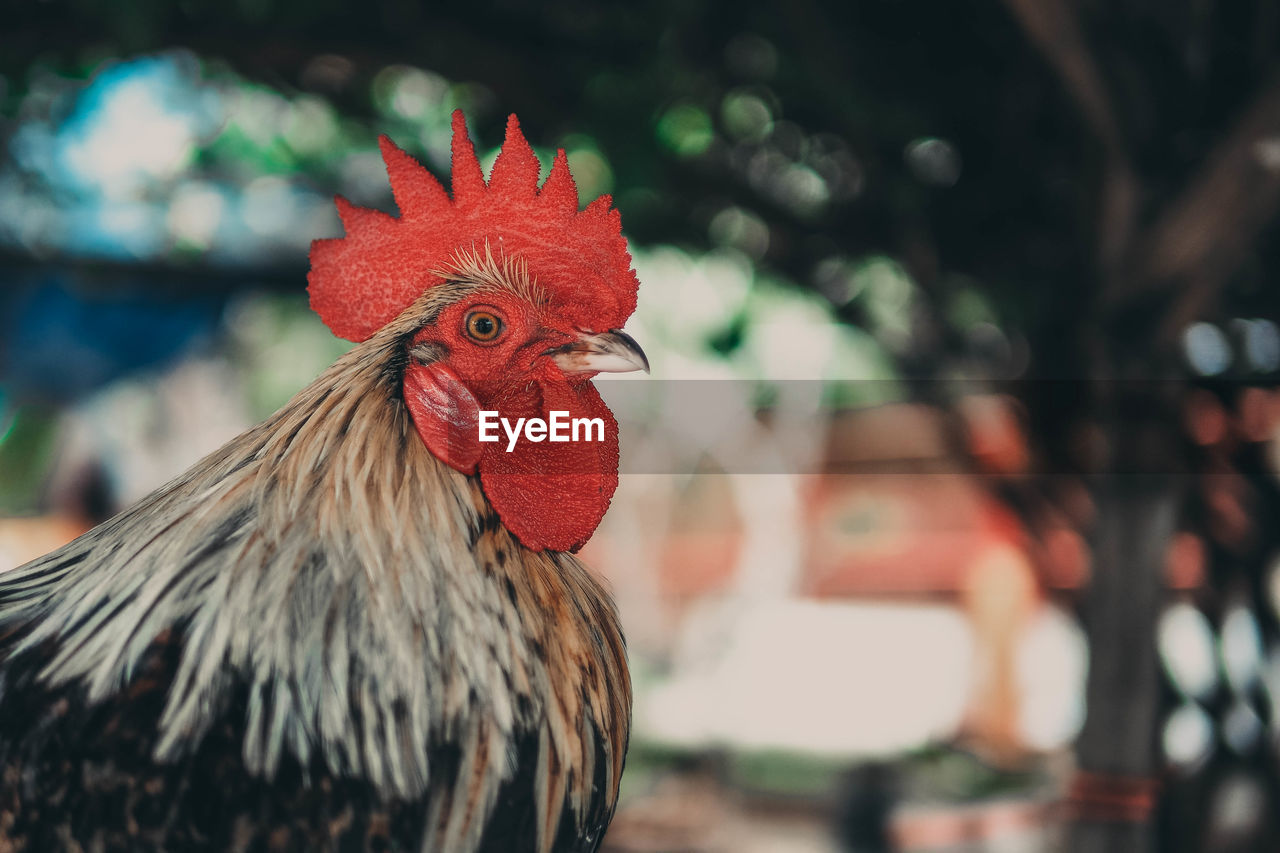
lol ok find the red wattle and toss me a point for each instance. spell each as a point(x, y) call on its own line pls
point(553, 494)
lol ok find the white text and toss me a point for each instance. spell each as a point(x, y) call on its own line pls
point(558, 427)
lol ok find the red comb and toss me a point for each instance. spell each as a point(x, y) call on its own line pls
point(360, 282)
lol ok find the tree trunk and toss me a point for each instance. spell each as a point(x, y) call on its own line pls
point(1138, 499)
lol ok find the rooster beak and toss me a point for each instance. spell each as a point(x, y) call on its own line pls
point(613, 351)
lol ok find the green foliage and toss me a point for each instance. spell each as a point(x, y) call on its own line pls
point(27, 442)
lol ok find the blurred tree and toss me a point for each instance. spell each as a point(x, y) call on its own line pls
point(1067, 186)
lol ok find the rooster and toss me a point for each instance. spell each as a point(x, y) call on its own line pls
point(358, 626)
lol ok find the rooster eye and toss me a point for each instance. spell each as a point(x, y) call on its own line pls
point(483, 326)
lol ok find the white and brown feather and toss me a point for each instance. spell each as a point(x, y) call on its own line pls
point(366, 600)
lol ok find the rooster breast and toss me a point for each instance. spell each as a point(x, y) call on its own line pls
point(319, 637)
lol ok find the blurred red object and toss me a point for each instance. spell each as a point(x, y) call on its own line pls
point(900, 534)
point(1206, 418)
point(997, 439)
point(1185, 562)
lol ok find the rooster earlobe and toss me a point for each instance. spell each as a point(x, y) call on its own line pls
point(445, 413)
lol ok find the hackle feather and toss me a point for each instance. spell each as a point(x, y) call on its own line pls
point(368, 596)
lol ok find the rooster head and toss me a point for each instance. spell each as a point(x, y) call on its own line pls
point(517, 299)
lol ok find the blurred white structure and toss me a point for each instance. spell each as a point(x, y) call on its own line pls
point(838, 679)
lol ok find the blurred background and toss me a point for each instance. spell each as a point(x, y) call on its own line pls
point(979, 552)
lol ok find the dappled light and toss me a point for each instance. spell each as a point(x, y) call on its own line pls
point(945, 511)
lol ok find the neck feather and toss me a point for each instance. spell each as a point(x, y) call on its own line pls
point(365, 591)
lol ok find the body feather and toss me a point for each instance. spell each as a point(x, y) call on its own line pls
point(330, 621)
